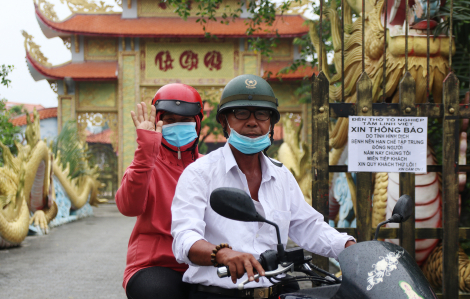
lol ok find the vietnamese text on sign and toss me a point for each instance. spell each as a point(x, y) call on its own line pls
point(387, 144)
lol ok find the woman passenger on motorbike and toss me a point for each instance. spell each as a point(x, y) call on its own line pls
point(167, 142)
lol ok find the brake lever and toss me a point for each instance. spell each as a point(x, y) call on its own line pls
point(280, 269)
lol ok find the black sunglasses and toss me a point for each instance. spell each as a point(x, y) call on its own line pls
point(244, 114)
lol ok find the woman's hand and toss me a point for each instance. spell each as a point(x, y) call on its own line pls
point(145, 122)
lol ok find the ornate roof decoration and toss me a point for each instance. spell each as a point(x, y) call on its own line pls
point(47, 9)
point(84, 6)
point(67, 42)
point(33, 50)
point(53, 85)
point(118, 2)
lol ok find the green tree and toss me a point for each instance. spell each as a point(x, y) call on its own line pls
point(72, 150)
point(209, 124)
point(8, 132)
point(259, 14)
point(17, 110)
point(461, 33)
point(4, 71)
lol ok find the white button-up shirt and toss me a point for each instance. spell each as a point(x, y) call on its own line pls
point(281, 198)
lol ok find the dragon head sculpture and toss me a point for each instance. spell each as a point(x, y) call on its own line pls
point(32, 132)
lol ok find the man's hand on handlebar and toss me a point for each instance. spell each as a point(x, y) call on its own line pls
point(239, 263)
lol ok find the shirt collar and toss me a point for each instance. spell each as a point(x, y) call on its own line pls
point(266, 168)
point(230, 162)
point(229, 158)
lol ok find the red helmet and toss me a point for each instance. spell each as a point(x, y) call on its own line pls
point(179, 99)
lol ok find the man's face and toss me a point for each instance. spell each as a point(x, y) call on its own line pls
point(170, 118)
point(250, 127)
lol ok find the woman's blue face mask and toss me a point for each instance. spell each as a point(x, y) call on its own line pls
point(179, 134)
point(248, 145)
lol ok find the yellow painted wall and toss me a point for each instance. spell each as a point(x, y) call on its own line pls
point(66, 110)
point(101, 48)
point(96, 94)
point(128, 104)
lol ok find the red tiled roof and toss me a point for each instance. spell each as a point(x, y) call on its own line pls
point(114, 25)
point(43, 114)
point(96, 71)
point(102, 137)
point(273, 68)
point(28, 107)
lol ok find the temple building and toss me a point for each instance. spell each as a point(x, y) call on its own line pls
point(120, 59)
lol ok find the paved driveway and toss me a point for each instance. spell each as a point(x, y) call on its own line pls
point(82, 259)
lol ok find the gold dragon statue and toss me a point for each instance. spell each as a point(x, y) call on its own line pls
point(26, 186)
point(387, 183)
point(81, 188)
point(295, 155)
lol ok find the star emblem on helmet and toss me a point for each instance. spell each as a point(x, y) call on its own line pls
point(250, 83)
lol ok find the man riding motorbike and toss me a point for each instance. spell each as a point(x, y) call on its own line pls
point(248, 113)
point(167, 143)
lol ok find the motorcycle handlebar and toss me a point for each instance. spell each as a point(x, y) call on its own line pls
point(224, 271)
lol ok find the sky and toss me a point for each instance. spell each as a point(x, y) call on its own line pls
point(19, 15)
point(16, 16)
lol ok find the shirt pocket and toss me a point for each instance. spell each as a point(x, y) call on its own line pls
point(266, 237)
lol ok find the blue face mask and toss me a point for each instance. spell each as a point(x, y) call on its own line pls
point(179, 134)
point(248, 145)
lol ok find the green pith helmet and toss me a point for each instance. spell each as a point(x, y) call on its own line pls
point(249, 91)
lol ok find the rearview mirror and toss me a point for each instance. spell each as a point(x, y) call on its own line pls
point(234, 204)
point(402, 210)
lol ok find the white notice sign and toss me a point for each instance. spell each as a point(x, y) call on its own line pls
point(387, 144)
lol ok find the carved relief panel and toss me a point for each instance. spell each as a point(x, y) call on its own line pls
point(191, 61)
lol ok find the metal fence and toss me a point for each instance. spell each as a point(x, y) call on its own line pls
point(449, 111)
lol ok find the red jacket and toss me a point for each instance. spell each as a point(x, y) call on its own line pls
point(147, 191)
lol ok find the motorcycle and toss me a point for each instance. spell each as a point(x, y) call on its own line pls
point(371, 269)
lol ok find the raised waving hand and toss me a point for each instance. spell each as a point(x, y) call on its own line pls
point(145, 122)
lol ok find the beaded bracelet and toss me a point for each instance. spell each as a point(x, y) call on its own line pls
point(214, 253)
